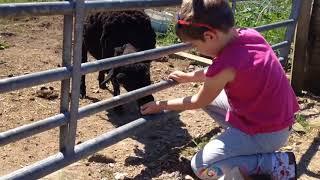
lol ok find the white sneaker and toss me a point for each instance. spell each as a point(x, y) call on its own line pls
point(234, 174)
point(284, 166)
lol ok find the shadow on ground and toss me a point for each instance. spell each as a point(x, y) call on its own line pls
point(163, 142)
point(306, 159)
point(165, 139)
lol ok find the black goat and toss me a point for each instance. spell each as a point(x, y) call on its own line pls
point(104, 33)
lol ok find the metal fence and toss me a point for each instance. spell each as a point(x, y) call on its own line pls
point(72, 69)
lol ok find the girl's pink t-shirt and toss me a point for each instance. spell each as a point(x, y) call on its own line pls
point(260, 97)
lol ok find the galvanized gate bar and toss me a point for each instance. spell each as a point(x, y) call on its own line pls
point(28, 130)
point(132, 58)
point(123, 98)
point(116, 5)
point(37, 78)
point(29, 80)
point(67, 8)
point(24, 81)
point(65, 84)
point(268, 27)
point(36, 8)
point(61, 119)
point(70, 139)
point(296, 5)
point(281, 59)
point(59, 160)
point(233, 6)
point(280, 45)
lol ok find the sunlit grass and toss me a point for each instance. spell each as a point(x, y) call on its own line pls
point(250, 14)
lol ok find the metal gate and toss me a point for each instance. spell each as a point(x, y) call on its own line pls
point(72, 69)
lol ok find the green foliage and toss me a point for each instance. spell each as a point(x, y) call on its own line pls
point(168, 38)
point(302, 120)
point(257, 13)
point(200, 142)
point(250, 14)
point(189, 151)
point(3, 45)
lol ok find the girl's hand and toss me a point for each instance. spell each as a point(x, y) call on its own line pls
point(151, 108)
point(180, 77)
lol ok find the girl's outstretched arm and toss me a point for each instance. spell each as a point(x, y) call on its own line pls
point(207, 93)
point(182, 77)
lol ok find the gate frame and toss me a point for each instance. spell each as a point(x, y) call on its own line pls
point(70, 112)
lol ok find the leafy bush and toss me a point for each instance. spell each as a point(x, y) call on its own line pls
point(168, 38)
point(250, 14)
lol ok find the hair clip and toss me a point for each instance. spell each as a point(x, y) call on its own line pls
point(183, 22)
point(178, 16)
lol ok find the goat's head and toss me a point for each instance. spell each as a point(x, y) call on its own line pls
point(125, 49)
point(118, 51)
point(135, 77)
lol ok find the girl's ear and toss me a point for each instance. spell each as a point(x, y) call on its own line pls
point(209, 35)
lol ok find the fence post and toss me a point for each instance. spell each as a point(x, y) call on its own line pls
point(313, 51)
point(65, 84)
point(76, 76)
point(290, 31)
point(233, 6)
point(301, 39)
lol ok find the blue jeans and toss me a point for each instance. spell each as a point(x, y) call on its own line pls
point(252, 154)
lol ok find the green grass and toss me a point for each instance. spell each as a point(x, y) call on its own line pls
point(250, 14)
point(257, 13)
point(302, 120)
point(197, 144)
point(169, 37)
point(200, 142)
point(3, 45)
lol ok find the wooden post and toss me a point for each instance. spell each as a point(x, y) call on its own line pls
point(300, 50)
point(312, 84)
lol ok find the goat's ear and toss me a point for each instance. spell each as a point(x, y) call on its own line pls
point(107, 49)
point(121, 77)
point(103, 40)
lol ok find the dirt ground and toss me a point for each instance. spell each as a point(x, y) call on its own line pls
point(162, 151)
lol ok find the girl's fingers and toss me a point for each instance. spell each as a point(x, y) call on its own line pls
point(143, 111)
point(143, 106)
point(172, 76)
point(175, 73)
point(147, 111)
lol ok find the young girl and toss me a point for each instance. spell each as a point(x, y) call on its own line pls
point(245, 90)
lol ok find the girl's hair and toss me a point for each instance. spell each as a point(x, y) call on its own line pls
point(197, 16)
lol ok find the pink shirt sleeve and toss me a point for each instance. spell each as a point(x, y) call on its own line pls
point(214, 68)
point(231, 57)
point(236, 54)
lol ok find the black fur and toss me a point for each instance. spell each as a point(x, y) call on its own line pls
point(105, 31)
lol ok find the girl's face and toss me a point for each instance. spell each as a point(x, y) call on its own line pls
point(209, 45)
point(204, 47)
